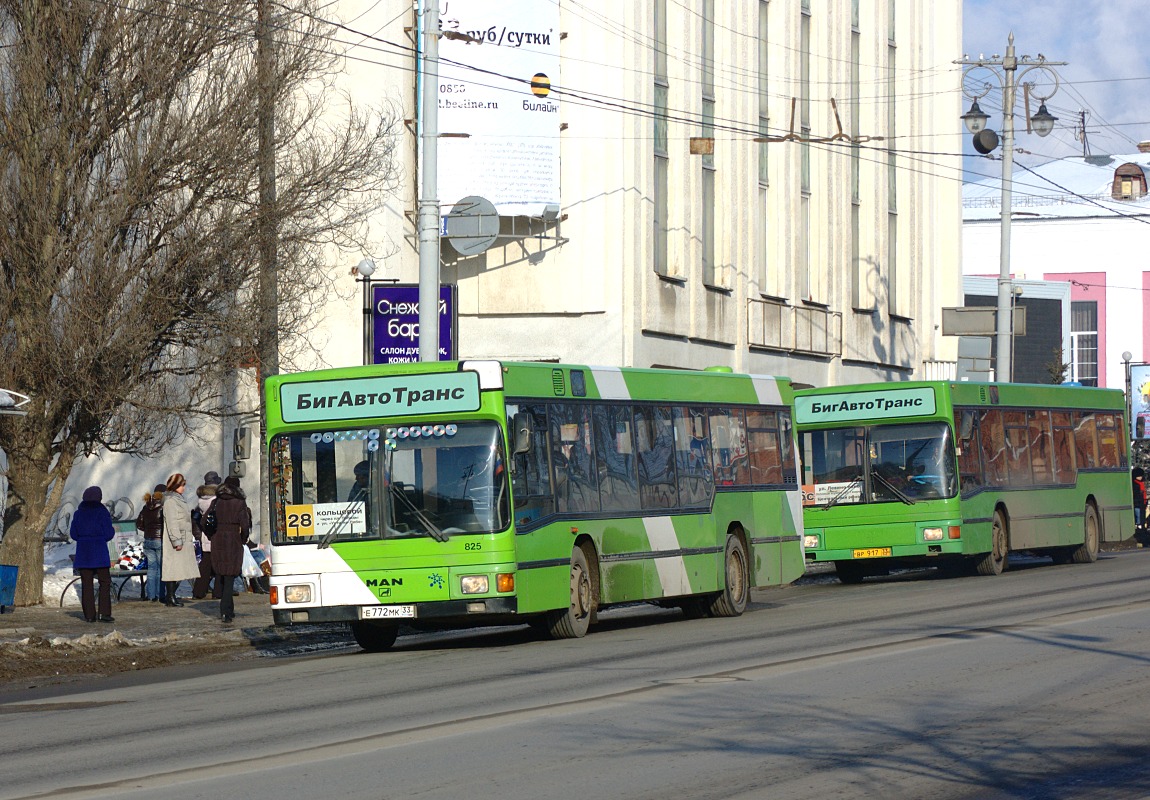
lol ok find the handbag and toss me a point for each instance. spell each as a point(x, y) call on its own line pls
point(250, 568)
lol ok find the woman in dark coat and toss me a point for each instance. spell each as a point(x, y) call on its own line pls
point(92, 530)
point(233, 524)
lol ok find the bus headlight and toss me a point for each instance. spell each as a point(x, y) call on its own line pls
point(474, 584)
point(300, 593)
point(811, 541)
point(932, 534)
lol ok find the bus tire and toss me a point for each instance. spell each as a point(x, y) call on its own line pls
point(732, 600)
point(994, 562)
point(573, 621)
point(1087, 552)
point(372, 637)
point(849, 572)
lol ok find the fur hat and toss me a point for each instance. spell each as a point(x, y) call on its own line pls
point(232, 481)
point(93, 494)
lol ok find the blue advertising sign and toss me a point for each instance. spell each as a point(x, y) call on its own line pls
point(395, 323)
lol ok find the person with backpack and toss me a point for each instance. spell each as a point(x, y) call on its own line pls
point(150, 523)
point(206, 495)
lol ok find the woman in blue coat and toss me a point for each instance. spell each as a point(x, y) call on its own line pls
point(92, 530)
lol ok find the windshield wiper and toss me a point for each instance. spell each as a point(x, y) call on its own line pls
point(843, 493)
point(897, 492)
point(338, 529)
point(432, 530)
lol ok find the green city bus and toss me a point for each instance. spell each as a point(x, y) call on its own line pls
point(482, 492)
point(960, 474)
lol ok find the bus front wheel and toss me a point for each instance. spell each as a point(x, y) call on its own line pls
point(573, 621)
point(732, 601)
point(994, 562)
point(1087, 552)
point(372, 637)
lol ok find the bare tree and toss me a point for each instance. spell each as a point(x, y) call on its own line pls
point(130, 222)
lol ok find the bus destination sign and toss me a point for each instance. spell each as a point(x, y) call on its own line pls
point(849, 407)
point(353, 398)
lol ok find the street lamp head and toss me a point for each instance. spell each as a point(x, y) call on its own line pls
point(1043, 121)
point(365, 268)
point(1127, 355)
point(975, 119)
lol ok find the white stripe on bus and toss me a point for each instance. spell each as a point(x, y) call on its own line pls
point(610, 383)
point(767, 389)
point(672, 571)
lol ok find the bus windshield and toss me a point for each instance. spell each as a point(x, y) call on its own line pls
point(394, 482)
point(878, 464)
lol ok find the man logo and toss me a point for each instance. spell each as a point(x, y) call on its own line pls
point(540, 85)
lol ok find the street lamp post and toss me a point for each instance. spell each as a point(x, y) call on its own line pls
point(1004, 69)
point(1126, 358)
point(365, 269)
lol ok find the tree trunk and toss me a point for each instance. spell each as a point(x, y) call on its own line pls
point(29, 510)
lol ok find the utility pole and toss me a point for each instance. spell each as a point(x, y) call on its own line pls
point(429, 192)
point(1042, 123)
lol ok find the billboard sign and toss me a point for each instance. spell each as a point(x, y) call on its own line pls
point(395, 323)
point(498, 60)
point(1139, 401)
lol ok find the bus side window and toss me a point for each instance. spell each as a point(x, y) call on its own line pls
point(1085, 440)
point(693, 457)
point(573, 457)
point(1040, 447)
point(615, 455)
point(1065, 469)
point(992, 443)
point(1108, 447)
point(969, 464)
point(531, 477)
point(655, 441)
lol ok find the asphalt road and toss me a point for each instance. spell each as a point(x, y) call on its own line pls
point(1030, 685)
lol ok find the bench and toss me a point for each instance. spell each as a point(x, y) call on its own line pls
point(121, 575)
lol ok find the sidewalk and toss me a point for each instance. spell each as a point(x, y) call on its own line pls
point(136, 619)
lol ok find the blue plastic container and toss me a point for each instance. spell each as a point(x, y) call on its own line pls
point(7, 585)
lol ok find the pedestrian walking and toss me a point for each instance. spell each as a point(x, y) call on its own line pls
point(1138, 485)
point(205, 495)
point(233, 524)
point(179, 559)
point(92, 530)
point(150, 523)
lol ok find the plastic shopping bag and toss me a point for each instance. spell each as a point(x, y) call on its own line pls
point(250, 568)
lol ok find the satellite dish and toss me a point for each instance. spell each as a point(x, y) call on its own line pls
point(472, 226)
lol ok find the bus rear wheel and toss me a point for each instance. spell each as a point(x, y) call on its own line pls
point(1087, 552)
point(994, 562)
point(372, 637)
point(732, 601)
point(573, 621)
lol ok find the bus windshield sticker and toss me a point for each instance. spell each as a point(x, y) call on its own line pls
point(390, 396)
point(881, 404)
point(828, 494)
point(320, 519)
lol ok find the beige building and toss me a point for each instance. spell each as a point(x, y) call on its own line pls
point(824, 253)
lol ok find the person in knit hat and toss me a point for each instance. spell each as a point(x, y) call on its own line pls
point(92, 530)
point(179, 551)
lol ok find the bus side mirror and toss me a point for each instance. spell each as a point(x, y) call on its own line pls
point(521, 434)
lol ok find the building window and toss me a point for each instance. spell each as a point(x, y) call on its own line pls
point(1129, 183)
point(764, 98)
point(1084, 342)
point(661, 166)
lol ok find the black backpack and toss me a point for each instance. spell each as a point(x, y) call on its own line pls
point(206, 519)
